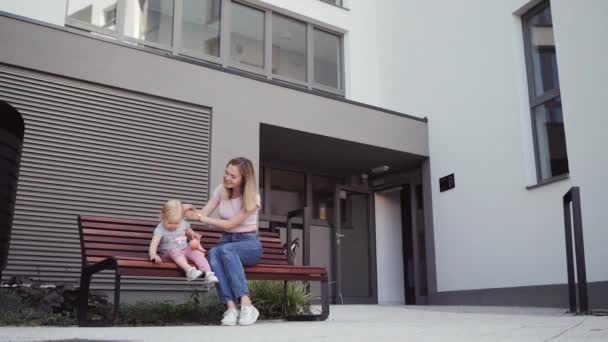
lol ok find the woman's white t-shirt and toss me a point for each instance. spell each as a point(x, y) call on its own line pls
point(230, 207)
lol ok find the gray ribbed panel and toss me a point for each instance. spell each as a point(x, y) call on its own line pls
point(96, 150)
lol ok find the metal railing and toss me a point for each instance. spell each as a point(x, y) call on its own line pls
point(573, 223)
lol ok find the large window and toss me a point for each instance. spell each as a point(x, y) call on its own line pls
point(288, 191)
point(293, 189)
point(289, 56)
point(149, 20)
point(545, 103)
point(200, 27)
point(327, 59)
point(247, 36)
point(95, 13)
point(234, 34)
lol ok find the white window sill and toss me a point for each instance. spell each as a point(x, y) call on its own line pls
point(549, 181)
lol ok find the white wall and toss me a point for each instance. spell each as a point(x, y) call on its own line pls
point(389, 248)
point(461, 62)
point(51, 11)
point(581, 34)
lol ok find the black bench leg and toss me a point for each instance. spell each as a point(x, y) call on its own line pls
point(324, 306)
point(83, 297)
point(116, 296)
point(284, 298)
point(85, 284)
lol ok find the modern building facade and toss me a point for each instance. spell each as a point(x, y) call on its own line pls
point(432, 141)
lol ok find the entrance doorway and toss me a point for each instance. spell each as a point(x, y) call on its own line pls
point(354, 246)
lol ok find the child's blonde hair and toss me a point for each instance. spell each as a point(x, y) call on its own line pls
point(172, 210)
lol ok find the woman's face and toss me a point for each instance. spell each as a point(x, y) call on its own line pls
point(232, 177)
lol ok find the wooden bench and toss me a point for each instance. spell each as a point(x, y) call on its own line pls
point(122, 245)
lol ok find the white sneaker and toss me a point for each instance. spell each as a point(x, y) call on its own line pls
point(231, 316)
point(249, 314)
point(210, 278)
point(193, 273)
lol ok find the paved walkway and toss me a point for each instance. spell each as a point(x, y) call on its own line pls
point(372, 323)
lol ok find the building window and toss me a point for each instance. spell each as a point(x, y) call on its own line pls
point(545, 103)
point(109, 15)
point(334, 2)
point(93, 13)
point(200, 24)
point(323, 191)
point(289, 48)
point(288, 191)
point(247, 36)
point(327, 59)
point(225, 32)
point(149, 20)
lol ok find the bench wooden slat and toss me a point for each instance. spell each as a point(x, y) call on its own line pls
point(250, 276)
point(104, 232)
point(144, 226)
point(93, 248)
point(150, 272)
point(140, 263)
point(116, 240)
point(268, 248)
point(122, 254)
point(143, 245)
point(87, 218)
point(275, 276)
point(148, 235)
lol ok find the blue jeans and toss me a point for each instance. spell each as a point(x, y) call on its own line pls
point(227, 259)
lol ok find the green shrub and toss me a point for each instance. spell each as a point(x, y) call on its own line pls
point(267, 296)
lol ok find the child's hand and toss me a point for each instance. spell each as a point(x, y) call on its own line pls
point(156, 259)
point(191, 214)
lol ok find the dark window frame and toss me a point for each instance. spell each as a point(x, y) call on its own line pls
point(337, 3)
point(224, 60)
point(536, 100)
point(265, 213)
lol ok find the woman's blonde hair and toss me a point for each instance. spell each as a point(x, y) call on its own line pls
point(248, 184)
point(171, 211)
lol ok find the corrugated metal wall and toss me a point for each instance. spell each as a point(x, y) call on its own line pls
point(90, 149)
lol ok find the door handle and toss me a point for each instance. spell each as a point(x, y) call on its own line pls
point(339, 237)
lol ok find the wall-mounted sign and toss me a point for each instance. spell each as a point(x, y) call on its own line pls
point(446, 183)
